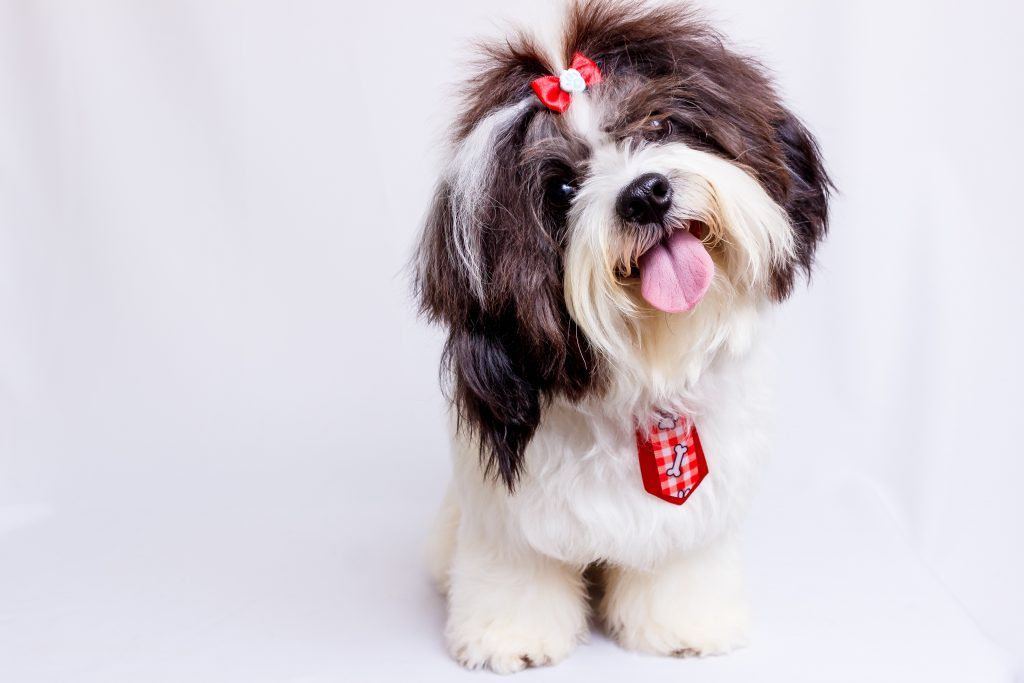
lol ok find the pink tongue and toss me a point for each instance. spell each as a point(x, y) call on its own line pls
point(676, 273)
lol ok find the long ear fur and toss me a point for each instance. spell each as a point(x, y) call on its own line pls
point(511, 343)
point(806, 199)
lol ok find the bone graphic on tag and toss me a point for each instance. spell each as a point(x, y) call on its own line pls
point(677, 465)
point(666, 422)
point(685, 493)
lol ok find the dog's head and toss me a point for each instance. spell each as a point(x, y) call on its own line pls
point(614, 247)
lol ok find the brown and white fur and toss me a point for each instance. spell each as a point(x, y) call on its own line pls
point(553, 358)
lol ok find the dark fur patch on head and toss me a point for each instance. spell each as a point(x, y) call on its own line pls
point(503, 76)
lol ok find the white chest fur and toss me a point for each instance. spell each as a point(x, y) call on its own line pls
point(581, 497)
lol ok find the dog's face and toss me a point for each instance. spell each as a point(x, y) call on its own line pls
point(609, 249)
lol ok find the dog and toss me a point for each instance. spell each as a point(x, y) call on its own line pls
point(619, 210)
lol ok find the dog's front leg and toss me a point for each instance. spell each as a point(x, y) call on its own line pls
point(693, 604)
point(511, 607)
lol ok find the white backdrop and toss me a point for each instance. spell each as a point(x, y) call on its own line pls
point(221, 435)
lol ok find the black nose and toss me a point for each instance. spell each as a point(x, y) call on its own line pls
point(645, 200)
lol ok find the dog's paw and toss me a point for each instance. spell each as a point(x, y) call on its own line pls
point(509, 610)
point(686, 635)
point(692, 606)
point(508, 648)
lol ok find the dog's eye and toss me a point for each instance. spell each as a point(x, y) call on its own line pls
point(655, 129)
point(559, 192)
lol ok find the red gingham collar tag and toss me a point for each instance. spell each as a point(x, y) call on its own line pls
point(671, 459)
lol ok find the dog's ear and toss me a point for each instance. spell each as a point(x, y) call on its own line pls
point(806, 198)
point(490, 271)
point(497, 393)
point(444, 284)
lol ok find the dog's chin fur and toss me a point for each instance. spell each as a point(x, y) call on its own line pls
point(554, 359)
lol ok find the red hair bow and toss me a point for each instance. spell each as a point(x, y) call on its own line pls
point(556, 91)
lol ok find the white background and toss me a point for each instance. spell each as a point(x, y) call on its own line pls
point(221, 435)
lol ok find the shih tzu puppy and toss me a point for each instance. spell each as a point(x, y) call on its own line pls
point(618, 210)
